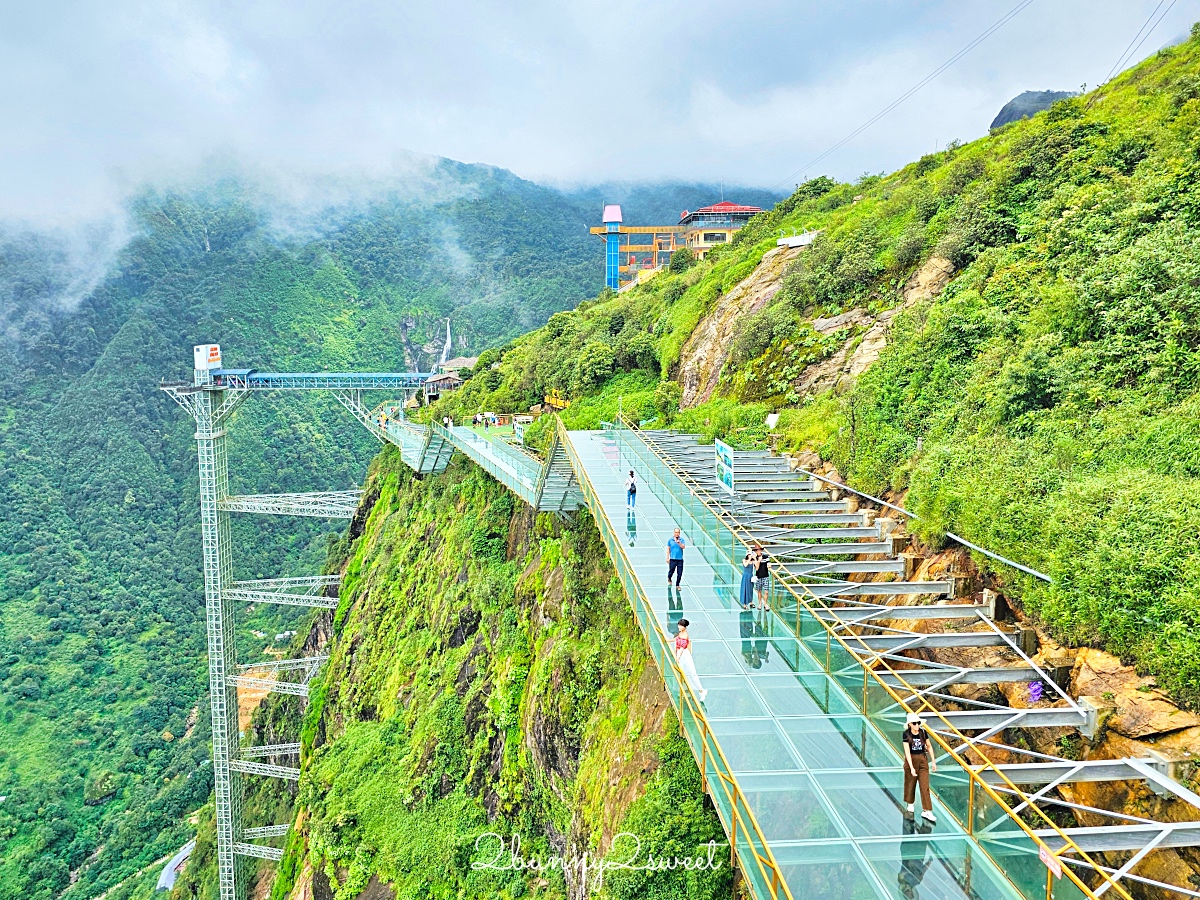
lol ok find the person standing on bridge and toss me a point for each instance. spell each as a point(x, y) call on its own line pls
point(762, 576)
point(683, 656)
point(918, 763)
point(749, 561)
point(675, 558)
point(631, 490)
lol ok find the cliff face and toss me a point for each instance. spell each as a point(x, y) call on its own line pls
point(485, 677)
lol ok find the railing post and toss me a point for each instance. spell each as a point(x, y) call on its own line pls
point(970, 804)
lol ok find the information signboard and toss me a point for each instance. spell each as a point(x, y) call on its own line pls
point(724, 465)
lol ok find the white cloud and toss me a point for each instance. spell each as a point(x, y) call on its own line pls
point(101, 97)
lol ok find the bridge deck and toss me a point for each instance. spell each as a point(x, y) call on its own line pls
point(799, 748)
point(822, 783)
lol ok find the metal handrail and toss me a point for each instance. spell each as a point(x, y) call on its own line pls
point(972, 773)
point(950, 534)
point(768, 866)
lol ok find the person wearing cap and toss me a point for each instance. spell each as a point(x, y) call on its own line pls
point(918, 763)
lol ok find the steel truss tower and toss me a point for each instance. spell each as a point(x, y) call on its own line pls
point(210, 399)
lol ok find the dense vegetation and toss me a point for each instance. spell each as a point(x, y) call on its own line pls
point(487, 677)
point(1045, 405)
point(101, 636)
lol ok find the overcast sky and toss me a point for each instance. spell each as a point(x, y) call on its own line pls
point(100, 97)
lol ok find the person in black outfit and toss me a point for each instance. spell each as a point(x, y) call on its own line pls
point(918, 763)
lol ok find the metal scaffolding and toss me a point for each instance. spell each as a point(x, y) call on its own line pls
point(210, 398)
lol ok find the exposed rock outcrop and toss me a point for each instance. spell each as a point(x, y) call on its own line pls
point(844, 366)
point(707, 349)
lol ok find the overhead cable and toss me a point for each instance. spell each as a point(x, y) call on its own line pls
point(1016, 10)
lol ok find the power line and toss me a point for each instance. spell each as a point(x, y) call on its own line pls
point(1016, 10)
point(1134, 44)
point(1131, 53)
point(1124, 52)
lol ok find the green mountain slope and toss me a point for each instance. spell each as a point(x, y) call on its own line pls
point(101, 631)
point(487, 683)
point(1040, 399)
point(1044, 404)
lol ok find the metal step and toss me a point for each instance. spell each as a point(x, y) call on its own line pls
point(865, 548)
point(882, 588)
point(986, 719)
point(788, 518)
point(927, 677)
point(907, 613)
point(832, 533)
point(885, 642)
point(845, 567)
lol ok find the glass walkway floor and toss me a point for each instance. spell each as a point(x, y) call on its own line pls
point(817, 777)
point(798, 745)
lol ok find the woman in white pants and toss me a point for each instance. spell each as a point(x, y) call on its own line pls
point(683, 656)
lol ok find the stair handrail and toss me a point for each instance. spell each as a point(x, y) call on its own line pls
point(912, 515)
point(972, 773)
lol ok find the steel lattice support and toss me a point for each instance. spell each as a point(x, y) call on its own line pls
point(317, 504)
point(210, 398)
point(210, 408)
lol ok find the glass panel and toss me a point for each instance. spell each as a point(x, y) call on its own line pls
point(1011, 848)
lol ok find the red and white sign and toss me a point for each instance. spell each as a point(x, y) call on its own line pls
point(1050, 860)
point(207, 356)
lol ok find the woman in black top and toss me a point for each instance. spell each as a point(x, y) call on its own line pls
point(763, 576)
point(918, 763)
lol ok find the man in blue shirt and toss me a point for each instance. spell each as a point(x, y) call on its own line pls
point(675, 558)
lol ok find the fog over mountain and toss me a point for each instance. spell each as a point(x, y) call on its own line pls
point(104, 98)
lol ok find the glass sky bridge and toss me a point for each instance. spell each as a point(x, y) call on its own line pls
point(797, 737)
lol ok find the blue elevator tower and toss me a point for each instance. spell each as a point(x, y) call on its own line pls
point(612, 246)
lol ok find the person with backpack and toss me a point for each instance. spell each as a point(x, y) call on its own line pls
point(631, 490)
point(918, 764)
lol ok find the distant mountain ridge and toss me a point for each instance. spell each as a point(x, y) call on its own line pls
point(1027, 104)
point(101, 613)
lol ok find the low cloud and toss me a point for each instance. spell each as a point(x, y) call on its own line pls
point(331, 100)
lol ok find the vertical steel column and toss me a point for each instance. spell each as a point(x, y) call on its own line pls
point(214, 532)
point(612, 255)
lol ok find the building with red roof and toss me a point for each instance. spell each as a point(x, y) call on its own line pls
point(712, 226)
point(635, 253)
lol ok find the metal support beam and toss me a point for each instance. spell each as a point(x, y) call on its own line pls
point(295, 583)
point(269, 684)
point(270, 750)
point(880, 589)
point(943, 675)
point(984, 719)
point(266, 831)
point(210, 407)
point(288, 773)
point(1112, 838)
point(304, 663)
point(317, 504)
point(278, 597)
point(859, 614)
point(242, 848)
point(886, 642)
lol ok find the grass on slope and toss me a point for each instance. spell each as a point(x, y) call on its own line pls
point(487, 676)
point(1045, 405)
